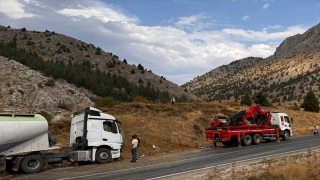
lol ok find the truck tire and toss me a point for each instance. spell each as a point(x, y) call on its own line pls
point(247, 140)
point(286, 135)
point(103, 155)
point(227, 143)
point(32, 164)
point(256, 138)
point(82, 163)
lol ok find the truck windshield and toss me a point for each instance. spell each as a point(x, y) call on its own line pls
point(286, 119)
point(110, 126)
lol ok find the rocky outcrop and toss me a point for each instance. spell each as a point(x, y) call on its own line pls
point(23, 90)
point(300, 44)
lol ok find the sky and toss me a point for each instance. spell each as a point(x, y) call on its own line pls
point(176, 39)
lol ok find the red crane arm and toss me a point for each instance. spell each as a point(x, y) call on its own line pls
point(254, 110)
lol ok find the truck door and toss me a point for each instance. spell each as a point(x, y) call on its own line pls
point(110, 132)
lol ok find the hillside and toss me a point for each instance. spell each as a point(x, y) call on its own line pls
point(55, 47)
point(285, 77)
point(178, 127)
point(26, 90)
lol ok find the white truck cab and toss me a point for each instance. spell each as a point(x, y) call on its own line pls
point(283, 121)
point(96, 134)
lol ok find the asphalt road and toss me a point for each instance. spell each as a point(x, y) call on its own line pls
point(207, 158)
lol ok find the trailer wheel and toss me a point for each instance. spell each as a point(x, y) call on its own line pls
point(247, 140)
point(256, 138)
point(32, 164)
point(103, 155)
point(286, 135)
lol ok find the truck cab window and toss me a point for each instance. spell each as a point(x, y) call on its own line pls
point(286, 119)
point(107, 126)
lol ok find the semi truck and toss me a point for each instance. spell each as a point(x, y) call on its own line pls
point(251, 126)
point(26, 144)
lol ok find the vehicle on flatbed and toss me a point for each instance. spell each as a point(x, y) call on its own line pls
point(250, 127)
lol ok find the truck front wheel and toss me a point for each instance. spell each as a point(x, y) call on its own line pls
point(286, 135)
point(32, 164)
point(103, 155)
point(247, 140)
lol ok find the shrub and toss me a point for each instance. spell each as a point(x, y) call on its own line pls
point(30, 43)
point(63, 105)
point(50, 82)
point(140, 67)
point(140, 99)
point(98, 52)
point(310, 102)
point(105, 102)
point(246, 100)
point(46, 115)
point(59, 51)
point(11, 91)
point(295, 107)
point(133, 71)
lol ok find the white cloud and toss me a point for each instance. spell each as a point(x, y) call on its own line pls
point(100, 11)
point(170, 51)
point(14, 9)
point(194, 23)
point(246, 17)
point(265, 6)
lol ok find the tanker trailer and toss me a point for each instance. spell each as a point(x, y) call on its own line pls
point(22, 137)
point(25, 142)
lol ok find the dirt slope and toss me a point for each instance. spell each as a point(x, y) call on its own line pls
point(179, 127)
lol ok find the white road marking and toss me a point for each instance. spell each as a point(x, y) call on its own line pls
point(190, 159)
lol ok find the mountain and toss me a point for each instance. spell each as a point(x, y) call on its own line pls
point(284, 77)
point(55, 47)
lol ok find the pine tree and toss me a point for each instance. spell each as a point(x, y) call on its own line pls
point(261, 99)
point(246, 100)
point(310, 102)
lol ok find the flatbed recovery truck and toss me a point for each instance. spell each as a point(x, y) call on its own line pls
point(250, 127)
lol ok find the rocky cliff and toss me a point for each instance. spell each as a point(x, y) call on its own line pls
point(27, 91)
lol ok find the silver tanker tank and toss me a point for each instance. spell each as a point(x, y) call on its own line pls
point(23, 133)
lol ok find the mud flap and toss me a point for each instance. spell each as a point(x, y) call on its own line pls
point(2, 165)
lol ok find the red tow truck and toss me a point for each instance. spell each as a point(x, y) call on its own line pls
point(250, 126)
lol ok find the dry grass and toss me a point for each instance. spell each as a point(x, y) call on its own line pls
point(176, 127)
point(295, 167)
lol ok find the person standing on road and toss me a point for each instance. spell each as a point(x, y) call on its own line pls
point(138, 147)
point(316, 131)
point(134, 145)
